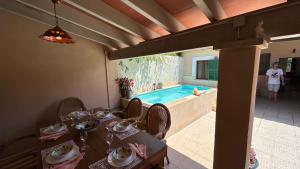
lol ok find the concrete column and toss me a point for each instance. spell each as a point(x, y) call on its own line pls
point(238, 69)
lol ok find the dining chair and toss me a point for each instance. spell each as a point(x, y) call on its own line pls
point(68, 105)
point(158, 167)
point(158, 122)
point(132, 111)
point(20, 153)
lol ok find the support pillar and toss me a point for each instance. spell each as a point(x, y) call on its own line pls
point(238, 72)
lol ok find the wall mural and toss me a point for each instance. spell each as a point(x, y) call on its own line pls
point(166, 69)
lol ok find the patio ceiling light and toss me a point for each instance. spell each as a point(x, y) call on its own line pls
point(56, 34)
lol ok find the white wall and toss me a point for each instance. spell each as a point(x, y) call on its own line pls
point(283, 49)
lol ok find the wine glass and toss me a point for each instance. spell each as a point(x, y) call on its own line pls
point(72, 120)
point(106, 111)
point(90, 114)
point(109, 140)
point(136, 121)
point(83, 138)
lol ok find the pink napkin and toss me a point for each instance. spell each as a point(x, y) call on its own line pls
point(69, 164)
point(112, 124)
point(140, 149)
point(54, 136)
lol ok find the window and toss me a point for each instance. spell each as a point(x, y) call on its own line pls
point(207, 69)
point(264, 63)
point(289, 65)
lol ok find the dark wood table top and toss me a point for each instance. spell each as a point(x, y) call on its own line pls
point(156, 150)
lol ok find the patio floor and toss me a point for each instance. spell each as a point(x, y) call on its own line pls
point(276, 138)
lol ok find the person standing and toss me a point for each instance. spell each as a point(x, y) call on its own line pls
point(275, 76)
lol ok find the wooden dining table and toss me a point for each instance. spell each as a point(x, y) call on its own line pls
point(97, 146)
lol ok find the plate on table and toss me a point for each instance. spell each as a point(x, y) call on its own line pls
point(101, 114)
point(139, 125)
point(122, 126)
point(121, 157)
point(61, 153)
point(56, 128)
point(88, 125)
point(78, 114)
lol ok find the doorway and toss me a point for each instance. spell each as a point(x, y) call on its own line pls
point(291, 69)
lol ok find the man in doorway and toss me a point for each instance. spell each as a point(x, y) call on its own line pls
point(274, 74)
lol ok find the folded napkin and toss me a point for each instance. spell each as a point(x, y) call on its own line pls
point(112, 124)
point(53, 136)
point(69, 164)
point(140, 149)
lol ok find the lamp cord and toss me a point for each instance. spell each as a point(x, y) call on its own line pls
point(106, 77)
point(56, 19)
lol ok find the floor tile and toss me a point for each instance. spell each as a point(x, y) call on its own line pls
point(276, 138)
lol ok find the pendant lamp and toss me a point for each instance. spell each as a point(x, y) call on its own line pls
point(56, 34)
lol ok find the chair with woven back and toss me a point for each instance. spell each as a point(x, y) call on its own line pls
point(20, 153)
point(132, 111)
point(158, 167)
point(68, 105)
point(158, 122)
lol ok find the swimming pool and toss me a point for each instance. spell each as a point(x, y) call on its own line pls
point(170, 94)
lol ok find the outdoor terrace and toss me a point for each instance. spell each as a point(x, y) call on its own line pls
point(276, 138)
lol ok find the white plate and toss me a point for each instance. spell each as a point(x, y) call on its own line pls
point(121, 128)
point(101, 114)
point(122, 153)
point(54, 128)
point(78, 114)
point(116, 163)
point(61, 153)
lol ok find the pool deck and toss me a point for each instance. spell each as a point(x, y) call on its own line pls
point(276, 138)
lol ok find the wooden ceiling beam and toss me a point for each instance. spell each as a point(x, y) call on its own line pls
point(45, 18)
point(154, 12)
point(212, 9)
point(81, 19)
point(102, 11)
point(287, 22)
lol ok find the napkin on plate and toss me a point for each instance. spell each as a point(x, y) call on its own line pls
point(140, 149)
point(69, 164)
point(112, 124)
point(53, 136)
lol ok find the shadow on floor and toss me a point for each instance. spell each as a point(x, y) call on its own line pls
point(180, 161)
point(276, 133)
point(286, 110)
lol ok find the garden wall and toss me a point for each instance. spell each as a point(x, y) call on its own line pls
point(162, 68)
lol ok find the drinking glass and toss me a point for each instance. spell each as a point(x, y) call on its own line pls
point(83, 138)
point(109, 140)
point(72, 121)
point(89, 114)
point(136, 123)
point(106, 111)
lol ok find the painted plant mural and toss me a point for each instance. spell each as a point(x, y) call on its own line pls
point(147, 70)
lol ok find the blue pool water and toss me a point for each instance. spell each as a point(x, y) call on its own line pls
point(169, 94)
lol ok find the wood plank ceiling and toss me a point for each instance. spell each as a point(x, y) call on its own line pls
point(123, 23)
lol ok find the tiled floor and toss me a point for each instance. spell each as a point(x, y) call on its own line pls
point(196, 141)
point(276, 138)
